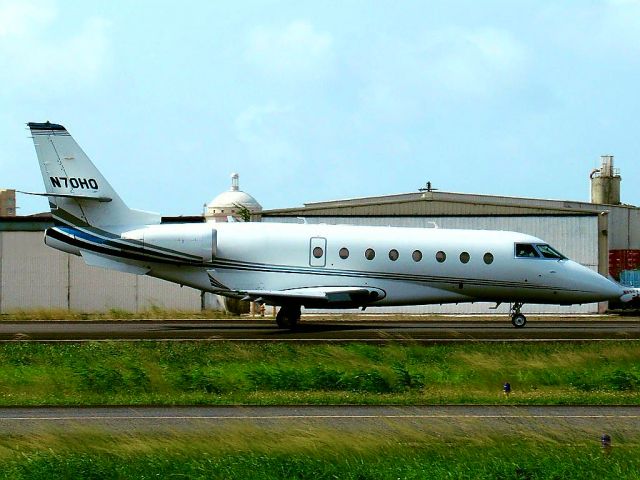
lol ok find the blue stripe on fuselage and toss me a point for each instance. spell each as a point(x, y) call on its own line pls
point(83, 235)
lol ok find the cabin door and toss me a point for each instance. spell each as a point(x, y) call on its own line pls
point(318, 252)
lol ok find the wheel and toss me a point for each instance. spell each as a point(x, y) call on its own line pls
point(288, 317)
point(519, 320)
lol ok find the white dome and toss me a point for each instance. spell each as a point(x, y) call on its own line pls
point(233, 198)
point(227, 203)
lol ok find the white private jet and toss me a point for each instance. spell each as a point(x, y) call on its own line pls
point(296, 265)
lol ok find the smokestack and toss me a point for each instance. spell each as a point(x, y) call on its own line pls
point(605, 183)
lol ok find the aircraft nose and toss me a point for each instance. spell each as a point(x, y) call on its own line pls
point(604, 286)
point(598, 285)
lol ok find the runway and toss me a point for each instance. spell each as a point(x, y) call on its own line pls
point(582, 422)
point(325, 330)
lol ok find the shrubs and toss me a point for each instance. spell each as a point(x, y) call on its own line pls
point(618, 380)
point(622, 381)
point(113, 379)
point(256, 373)
point(317, 378)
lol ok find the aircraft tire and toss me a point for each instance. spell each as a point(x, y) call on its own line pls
point(519, 320)
point(288, 317)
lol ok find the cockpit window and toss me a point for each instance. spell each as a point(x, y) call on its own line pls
point(550, 252)
point(526, 250)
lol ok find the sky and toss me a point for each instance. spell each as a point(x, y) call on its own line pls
point(313, 101)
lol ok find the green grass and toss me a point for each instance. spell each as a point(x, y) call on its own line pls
point(279, 373)
point(571, 463)
point(153, 313)
point(314, 453)
point(166, 373)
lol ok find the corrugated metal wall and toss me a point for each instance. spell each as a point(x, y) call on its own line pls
point(575, 236)
point(33, 275)
point(624, 228)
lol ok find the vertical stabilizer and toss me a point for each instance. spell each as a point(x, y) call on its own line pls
point(79, 194)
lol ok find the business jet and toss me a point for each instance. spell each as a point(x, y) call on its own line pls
point(300, 265)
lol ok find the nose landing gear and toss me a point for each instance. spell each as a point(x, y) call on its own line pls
point(288, 316)
point(517, 319)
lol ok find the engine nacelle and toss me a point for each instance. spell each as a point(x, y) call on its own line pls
point(50, 240)
point(197, 239)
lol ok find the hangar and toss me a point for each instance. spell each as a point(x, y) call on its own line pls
point(602, 234)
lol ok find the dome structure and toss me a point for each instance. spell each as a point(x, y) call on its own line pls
point(233, 203)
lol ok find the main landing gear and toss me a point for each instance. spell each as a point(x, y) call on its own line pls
point(288, 316)
point(517, 319)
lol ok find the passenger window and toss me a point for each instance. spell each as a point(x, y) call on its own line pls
point(369, 254)
point(317, 252)
point(464, 257)
point(488, 258)
point(549, 252)
point(393, 255)
point(441, 256)
point(526, 250)
point(416, 255)
point(344, 253)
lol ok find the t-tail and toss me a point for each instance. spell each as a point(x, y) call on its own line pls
point(79, 196)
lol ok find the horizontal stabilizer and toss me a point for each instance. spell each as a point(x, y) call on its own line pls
point(68, 195)
point(46, 126)
point(103, 261)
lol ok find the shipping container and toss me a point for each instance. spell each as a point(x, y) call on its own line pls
point(620, 260)
point(630, 278)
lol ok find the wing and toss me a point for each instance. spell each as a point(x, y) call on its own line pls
point(318, 297)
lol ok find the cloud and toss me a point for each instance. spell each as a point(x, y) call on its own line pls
point(621, 25)
point(18, 19)
point(597, 31)
point(269, 134)
point(34, 56)
point(453, 64)
point(297, 50)
point(476, 62)
point(257, 122)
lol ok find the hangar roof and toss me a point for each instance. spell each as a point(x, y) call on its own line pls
point(432, 203)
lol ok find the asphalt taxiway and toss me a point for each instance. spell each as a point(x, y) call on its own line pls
point(326, 330)
point(586, 422)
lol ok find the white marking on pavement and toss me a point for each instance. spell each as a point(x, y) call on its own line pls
point(298, 417)
point(318, 340)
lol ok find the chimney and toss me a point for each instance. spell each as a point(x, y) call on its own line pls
point(605, 183)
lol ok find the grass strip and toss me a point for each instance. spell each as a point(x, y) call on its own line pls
point(153, 313)
point(201, 373)
point(317, 454)
point(579, 464)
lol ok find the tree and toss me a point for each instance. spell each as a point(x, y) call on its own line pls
point(243, 212)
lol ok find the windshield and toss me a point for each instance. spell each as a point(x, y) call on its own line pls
point(550, 252)
point(526, 250)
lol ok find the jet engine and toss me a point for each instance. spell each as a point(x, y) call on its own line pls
point(193, 239)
